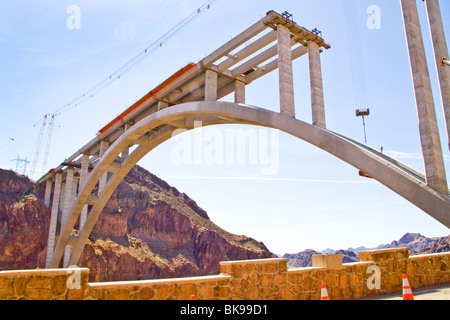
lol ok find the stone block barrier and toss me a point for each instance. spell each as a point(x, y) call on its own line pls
point(378, 272)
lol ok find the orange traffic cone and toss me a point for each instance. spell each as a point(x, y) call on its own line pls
point(407, 292)
point(193, 297)
point(324, 292)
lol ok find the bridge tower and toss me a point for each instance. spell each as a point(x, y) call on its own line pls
point(441, 53)
point(428, 126)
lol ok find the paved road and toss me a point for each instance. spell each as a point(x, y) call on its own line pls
point(441, 292)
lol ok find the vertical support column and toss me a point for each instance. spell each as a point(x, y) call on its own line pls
point(211, 86)
point(48, 193)
point(429, 133)
point(84, 173)
point(104, 145)
point(161, 105)
point(239, 92)
point(53, 220)
point(126, 151)
point(315, 72)
point(69, 196)
point(287, 104)
point(440, 51)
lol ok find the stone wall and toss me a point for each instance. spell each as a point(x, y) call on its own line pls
point(45, 284)
point(378, 272)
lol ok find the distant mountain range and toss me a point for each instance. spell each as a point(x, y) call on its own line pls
point(415, 242)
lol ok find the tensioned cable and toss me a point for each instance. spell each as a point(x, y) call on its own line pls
point(124, 69)
point(356, 54)
point(127, 67)
point(107, 61)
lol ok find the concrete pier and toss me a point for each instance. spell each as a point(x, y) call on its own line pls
point(104, 145)
point(162, 105)
point(429, 133)
point(317, 99)
point(440, 51)
point(211, 86)
point(53, 219)
point(239, 93)
point(84, 173)
point(69, 197)
point(287, 103)
point(48, 193)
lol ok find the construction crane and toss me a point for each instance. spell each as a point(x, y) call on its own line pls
point(38, 146)
point(40, 140)
point(49, 138)
point(105, 83)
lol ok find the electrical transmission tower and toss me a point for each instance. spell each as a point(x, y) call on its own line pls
point(21, 163)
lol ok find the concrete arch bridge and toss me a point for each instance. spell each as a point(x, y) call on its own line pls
point(79, 188)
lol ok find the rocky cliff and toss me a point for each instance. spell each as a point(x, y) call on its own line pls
point(147, 230)
point(24, 222)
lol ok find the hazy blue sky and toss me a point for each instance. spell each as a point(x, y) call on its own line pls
point(310, 199)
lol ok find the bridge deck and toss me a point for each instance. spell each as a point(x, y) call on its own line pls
point(240, 59)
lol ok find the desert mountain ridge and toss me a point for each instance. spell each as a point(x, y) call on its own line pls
point(415, 242)
point(147, 230)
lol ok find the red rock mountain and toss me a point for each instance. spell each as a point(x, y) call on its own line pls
point(147, 230)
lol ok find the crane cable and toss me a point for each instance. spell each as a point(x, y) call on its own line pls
point(356, 58)
point(116, 75)
point(127, 67)
point(356, 54)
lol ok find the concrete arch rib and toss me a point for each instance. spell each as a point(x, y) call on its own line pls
point(388, 172)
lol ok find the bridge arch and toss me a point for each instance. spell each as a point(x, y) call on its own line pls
point(160, 126)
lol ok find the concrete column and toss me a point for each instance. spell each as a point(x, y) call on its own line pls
point(48, 193)
point(162, 105)
point(287, 105)
point(53, 220)
point(104, 145)
point(61, 202)
point(440, 51)
point(239, 92)
point(84, 173)
point(126, 151)
point(315, 72)
point(211, 86)
point(429, 133)
point(69, 197)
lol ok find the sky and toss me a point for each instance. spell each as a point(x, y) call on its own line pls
point(281, 191)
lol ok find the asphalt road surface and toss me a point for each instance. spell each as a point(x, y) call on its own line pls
point(441, 292)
